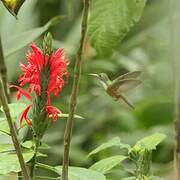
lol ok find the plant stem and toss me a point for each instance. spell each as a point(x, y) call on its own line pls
point(174, 55)
point(3, 71)
point(37, 142)
point(13, 132)
point(74, 93)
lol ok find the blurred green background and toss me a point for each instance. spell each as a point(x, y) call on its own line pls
point(145, 48)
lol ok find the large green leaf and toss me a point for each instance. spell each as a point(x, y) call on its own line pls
point(9, 161)
point(15, 109)
point(4, 128)
point(6, 147)
point(105, 165)
point(150, 142)
point(111, 20)
point(113, 142)
point(19, 41)
point(78, 173)
point(75, 173)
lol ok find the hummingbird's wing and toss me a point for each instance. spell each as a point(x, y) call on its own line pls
point(129, 75)
point(123, 85)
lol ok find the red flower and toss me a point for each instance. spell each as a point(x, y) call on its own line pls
point(24, 116)
point(21, 92)
point(32, 71)
point(53, 111)
point(59, 71)
point(36, 62)
point(32, 75)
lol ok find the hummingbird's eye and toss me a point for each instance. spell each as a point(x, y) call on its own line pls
point(101, 77)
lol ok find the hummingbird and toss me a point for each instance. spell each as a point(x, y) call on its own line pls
point(121, 84)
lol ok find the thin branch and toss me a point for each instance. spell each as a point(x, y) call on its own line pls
point(13, 132)
point(74, 93)
point(3, 71)
point(173, 44)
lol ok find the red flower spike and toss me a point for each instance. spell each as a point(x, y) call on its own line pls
point(31, 75)
point(36, 62)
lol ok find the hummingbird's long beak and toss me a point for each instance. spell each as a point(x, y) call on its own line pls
point(95, 75)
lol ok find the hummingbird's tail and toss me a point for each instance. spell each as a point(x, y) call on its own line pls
point(126, 101)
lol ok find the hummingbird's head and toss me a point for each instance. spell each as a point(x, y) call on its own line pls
point(103, 77)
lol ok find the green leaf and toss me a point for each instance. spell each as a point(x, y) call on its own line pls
point(44, 146)
point(105, 165)
point(6, 147)
point(4, 128)
point(129, 178)
point(62, 115)
point(16, 109)
point(110, 21)
point(9, 161)
point(19, 41)
point(48, 167)
point(27, 144)
point(78, 173)
point(75, 173)
point(113, 142)
point(150, 142)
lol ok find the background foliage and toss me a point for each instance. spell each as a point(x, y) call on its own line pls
point(144, 48)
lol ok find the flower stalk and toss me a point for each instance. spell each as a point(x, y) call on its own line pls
point(74, 93)
point(13, 132)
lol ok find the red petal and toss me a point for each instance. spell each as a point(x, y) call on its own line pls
point(25, 93)
point(24, 114)
point(51, 110)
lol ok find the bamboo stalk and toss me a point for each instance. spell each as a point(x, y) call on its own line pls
point(13, 132)
point(74, 93)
